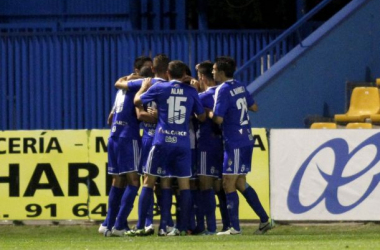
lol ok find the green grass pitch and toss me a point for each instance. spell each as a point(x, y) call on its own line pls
point(301, 236)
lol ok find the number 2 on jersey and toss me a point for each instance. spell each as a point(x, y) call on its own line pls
point(241, 104)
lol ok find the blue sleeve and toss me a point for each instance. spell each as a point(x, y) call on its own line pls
point(134, 85)
point(207, 100)
point(203, 99)
point(150, 95)
point(249, 98)
point(198, 107)
point(221, 102)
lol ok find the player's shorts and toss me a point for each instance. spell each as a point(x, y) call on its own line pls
point(237, 161)
point(210, 163)
point(169, 162)
point(146, 145)
point(194, 164)
point(123, 155)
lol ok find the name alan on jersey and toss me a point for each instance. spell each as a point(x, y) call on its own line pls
point(237, 91)
point(177, 91)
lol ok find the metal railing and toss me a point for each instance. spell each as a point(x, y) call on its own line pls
point(278, 48)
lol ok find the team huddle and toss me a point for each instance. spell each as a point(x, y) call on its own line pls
point(196, 144)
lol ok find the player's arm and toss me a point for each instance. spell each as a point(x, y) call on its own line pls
point(134, 76)
point(145, 116)
point(144, 87)
point(153, 112)
point(122, 83)
point(196, 84)
point(111, 114)
point(217, 119)
point(209, 113)
point(220, 107)
point(253, 107)
point(202, 117)
point(198, 108)
point(110, 117)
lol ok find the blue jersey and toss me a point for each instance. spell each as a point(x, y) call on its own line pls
point(209, 133)
point(175, 103)
point(150, 128)
point(124, 122)
point(232, 100)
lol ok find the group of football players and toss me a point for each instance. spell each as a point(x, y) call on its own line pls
point(196, 144)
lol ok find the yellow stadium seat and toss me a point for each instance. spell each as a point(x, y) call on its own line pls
point(323, 125)
point(375, 118)
point(365, 101)
point(359, 125)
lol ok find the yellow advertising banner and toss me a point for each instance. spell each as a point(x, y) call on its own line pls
point(97, 153)
point(62, 175)
point(41, 174)
point(258, 178)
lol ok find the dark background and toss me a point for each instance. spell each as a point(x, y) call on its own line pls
point(256, 14)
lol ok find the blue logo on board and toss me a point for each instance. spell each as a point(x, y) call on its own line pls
point(335, 180)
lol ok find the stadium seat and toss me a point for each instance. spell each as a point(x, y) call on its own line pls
point(365, 101)
point(375, 118)
point(359, 125)
point(323, 125)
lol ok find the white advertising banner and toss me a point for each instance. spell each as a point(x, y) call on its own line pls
point(328, 175)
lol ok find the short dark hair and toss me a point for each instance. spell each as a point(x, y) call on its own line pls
point(226, 64)
point(205, 68)
point(177, 69)
point(146, 71)
point(160, 63)
point(139, 61)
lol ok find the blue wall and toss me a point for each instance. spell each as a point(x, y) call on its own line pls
point(64, 80)
point(311, 80)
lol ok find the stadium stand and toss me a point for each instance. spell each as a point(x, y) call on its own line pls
point(359, 125)
point(365, 101)
point(351, 85)
point(375, 119)
point(323, 125)
point(378, 82)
